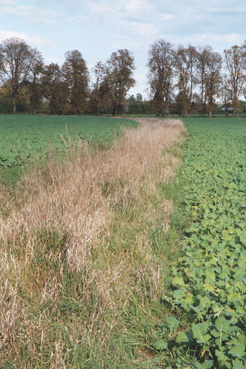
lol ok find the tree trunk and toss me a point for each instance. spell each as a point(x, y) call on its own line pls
point(202, 110)
point(14, 105)
point(114, 110)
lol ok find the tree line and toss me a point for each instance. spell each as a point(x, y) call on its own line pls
point(27, 84)
point(198, 76)
point(182, 80)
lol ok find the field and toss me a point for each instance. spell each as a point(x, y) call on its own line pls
point(209, 279)
point(85, 247)
point(128, 255)
point(25, 137)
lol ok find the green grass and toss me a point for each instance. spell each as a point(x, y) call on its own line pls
point(63, 316)
point(196, 316)
point(25, 138)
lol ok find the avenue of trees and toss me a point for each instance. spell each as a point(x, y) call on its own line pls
point(181, 80)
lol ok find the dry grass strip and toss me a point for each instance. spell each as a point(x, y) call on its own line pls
point(70, 210)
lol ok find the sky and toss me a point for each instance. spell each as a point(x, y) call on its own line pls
point(99, 27)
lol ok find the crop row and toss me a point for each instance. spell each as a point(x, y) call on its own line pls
point(209, 284)
point(24, 138)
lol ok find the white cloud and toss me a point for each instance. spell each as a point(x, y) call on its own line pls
point(120, 9)
point(7, 2)
point(219, 42)
point(130, 6)
point(204, 6)
point(233, 38)
point(166, 17)
point(7, 10)
point(69, 4)
point(135, 6)
point(78, 18)
point(143, 29)
point(226, 39)
point(120, 22)
point(103, 8)
point(34, 15)
point(33, 40)
point(221, 6)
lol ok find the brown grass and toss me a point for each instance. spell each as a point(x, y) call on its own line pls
point(89, 216)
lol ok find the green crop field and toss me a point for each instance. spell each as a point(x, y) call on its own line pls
point(193, 314)
point(26, 137)
point(209, 280)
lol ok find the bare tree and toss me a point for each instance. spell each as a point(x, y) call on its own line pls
point(161, 63)
point(16, 60)
point(203, 56)
point(225, 94)
point(212, 80)
point(235, 62)
point(34, 86)
point(181, 64)
point(186, 76)
point(244, 67)
point(119, 79)
point(192, 60)
point(55, 90)
point(76, 76)
point(100, 93)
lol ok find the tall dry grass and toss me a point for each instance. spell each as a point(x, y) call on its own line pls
point(75, 244)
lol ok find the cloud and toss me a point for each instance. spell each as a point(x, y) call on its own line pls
point(120, 22)
point(34, 15)
point(7, 2)
point(227, 38)
point(166, 17)
point(78, 19)
point(69, 4)
point(143, 29)
point(219, 42)
point(227, 6)
point(33, 40)
point(205, 6)
point(122, 9)
point(233, 38)
point(6, 9)
point(135, 6)
point(103, 8)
